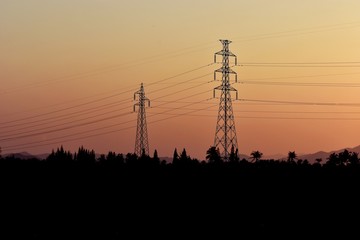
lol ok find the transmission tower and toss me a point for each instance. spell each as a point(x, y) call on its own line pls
point(225, 134)
point(141, 141)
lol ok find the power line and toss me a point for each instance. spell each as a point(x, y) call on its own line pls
point(277, 102)
point(72, 77)
point(183, 90)
point(305, 76)
point(65, 116)
point(273, 112)
point(132, 89)
point(304, 118)
point(260, 117)
point(35, 132)
point(65, 109)
point(215, 104)
point(298, 66)
point(179, 102)
point(98, 71)
point(302, 103)
point(57, 125)
point(181, 74)
point(298, 63)
point(175, 53)
point(176, 84)
point(159, 57)
point(69, 135)
point(301, 84)
point(68, 140)
point(26, 133)
point(31, 145)
point(301, 31)
point(65, 102)
point(108, 97)
point(46, 143)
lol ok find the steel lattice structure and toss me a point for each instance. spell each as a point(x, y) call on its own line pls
point(225, 134)
point(141, 141)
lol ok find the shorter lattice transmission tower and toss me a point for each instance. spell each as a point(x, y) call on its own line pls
point(141, 141)
point(225, 134)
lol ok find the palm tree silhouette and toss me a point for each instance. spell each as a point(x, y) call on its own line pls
point(213, 155)
point(256, 155)
point(292, 156)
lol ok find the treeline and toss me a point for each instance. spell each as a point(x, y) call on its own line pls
point(87, 157)
point(82, 195)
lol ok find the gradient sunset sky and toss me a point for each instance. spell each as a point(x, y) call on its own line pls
point(69, 68)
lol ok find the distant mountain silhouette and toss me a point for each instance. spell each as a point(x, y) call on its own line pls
point(324, 155)
point(242, 156)
point(26, 155)
point(275, 156)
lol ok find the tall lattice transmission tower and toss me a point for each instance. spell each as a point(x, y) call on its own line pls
point(141, 141)
point(225, 134)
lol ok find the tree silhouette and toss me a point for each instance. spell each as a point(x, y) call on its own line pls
point(291, 156)
point(305, 162)
point(344, 157)
point(112, 187)
point(131, 158)
point(85, 156)
point(213, 155)
point(102, 158)
point(144, 159)
point(111, 156)
point(256, 155)
point(143, 153)
point(237, 157)
point(114, 158)
point(234, 155)
point(60, 155)
point(318, 160)
point(175, 156)
point(333, 159)
point(183, 156)
point(354, 158)
point(156, 157)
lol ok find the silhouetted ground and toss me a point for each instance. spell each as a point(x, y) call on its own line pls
point(113, 200)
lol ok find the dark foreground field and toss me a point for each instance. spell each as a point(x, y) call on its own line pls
point(143, 198)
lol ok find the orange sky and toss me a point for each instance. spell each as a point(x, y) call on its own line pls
point(56, 55)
